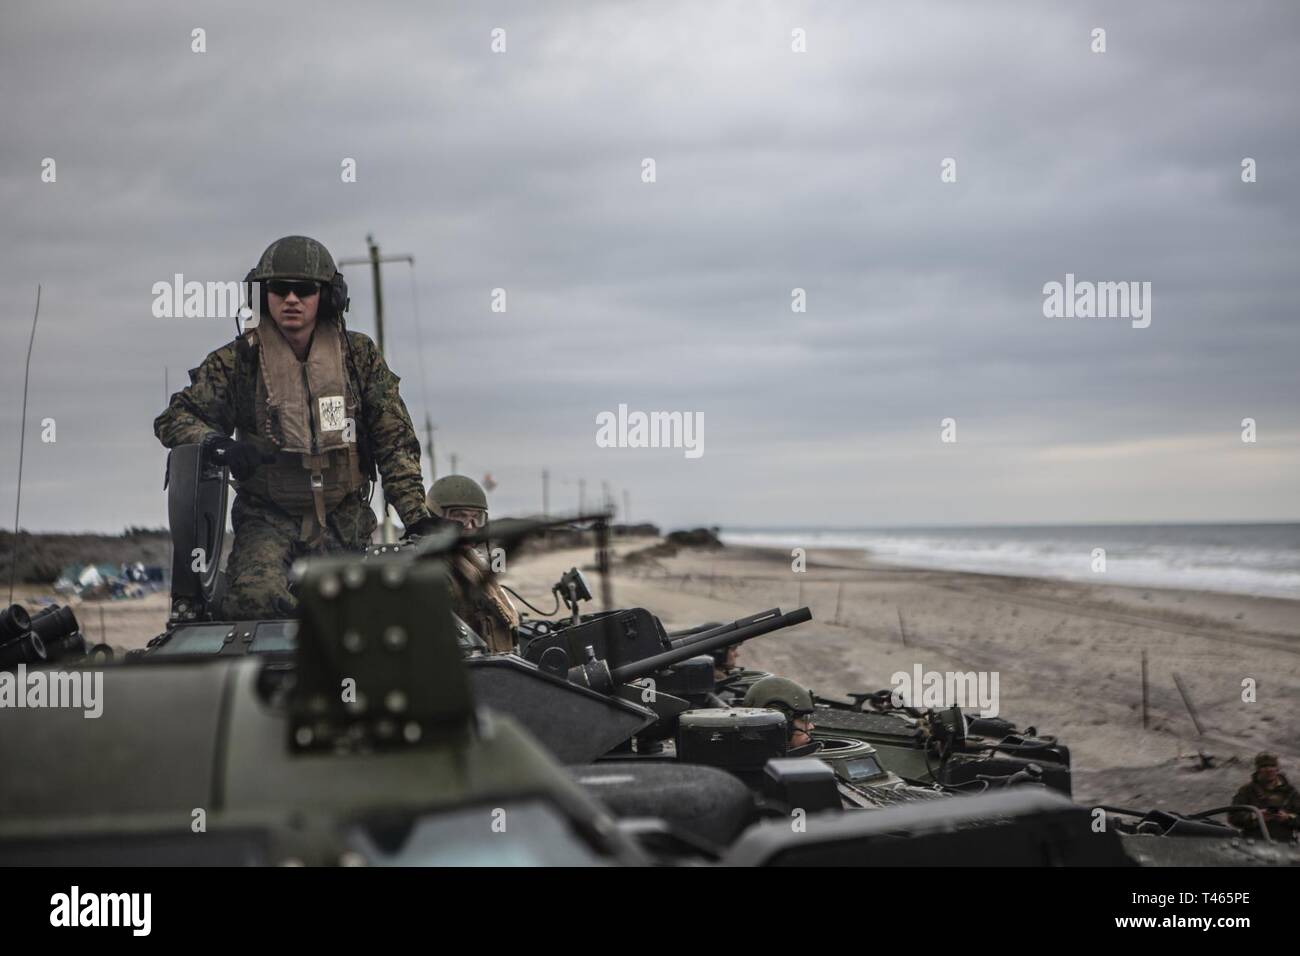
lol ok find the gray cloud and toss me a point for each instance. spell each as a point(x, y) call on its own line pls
point(775, 170)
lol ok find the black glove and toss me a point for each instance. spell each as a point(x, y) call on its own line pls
point(429, 525)
point(241, 457)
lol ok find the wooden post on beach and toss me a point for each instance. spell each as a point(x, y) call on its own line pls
point(902, 628)
point(1178, 681)
point(839, 597)
point(103, 631)
point(1144, 689)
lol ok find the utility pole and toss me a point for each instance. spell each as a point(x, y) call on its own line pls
point(546, 493)
point(428, 447)
point(374, 259)
point(454, 456)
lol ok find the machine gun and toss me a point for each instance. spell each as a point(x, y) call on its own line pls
point(582, 711)
point(619, 647)
point(947, 747)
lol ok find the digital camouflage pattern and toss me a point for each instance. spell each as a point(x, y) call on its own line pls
point(267, 542)
point(221, 397)
point(223, 391)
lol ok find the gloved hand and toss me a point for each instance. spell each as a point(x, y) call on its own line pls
point(241, 457)
point(428, 525)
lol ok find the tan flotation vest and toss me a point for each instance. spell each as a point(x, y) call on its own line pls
point(306, 416)
point(481, 602)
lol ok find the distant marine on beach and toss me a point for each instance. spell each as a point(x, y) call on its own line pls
point(1270, 792)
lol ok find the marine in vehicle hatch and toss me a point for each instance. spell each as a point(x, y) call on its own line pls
point(726, 662)
point(477, 598)
point(796, 703)
point(1270, 791)
point(305, 414)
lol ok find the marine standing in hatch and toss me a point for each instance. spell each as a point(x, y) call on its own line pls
point(477, 597)
point(1270, 792)
point(303, 412)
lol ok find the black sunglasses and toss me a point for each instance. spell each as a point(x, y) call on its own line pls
point(303, 289)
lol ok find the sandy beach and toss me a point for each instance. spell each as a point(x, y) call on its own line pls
point(1068, 655)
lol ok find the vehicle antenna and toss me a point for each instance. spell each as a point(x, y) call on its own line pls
point(22, 440)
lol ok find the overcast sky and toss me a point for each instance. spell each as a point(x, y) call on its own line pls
point(775, 170)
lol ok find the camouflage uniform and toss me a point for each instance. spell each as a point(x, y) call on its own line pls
point(221, 398)
point(1281, 797)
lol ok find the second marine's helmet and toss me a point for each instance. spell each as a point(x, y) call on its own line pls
point(456, 491)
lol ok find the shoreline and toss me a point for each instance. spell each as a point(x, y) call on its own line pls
point(1275, 585)
point(1278, 616)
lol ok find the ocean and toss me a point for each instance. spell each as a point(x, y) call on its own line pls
point(1258, 559)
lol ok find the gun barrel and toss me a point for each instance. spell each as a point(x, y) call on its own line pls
point(682, 640)
point(766, 623)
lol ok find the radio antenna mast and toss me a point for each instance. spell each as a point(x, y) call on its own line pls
point(22, 441)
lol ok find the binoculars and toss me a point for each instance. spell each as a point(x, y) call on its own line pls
point(51, 635)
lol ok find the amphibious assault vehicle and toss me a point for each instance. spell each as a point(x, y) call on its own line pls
point(372, 729)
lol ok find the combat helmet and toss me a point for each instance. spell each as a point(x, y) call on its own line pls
point(456, 491)
point(295, 257)
point(780, 693)
point(301, 257)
